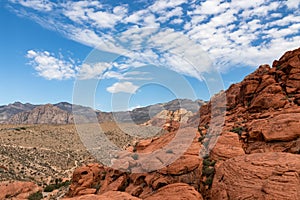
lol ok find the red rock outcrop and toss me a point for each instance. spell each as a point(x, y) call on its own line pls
point(17, 190)
point(262, 115)
point(148, 174)
point(259, 116)
point(263, 109)
point(111, 195)
point(176, 191)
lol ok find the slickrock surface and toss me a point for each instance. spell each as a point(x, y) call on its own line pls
point(258, 176)
point(17, 190)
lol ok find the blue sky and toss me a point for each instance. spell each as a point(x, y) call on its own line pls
point(136, 53)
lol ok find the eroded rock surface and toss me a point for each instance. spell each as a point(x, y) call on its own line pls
point(262, 118)
point(17, 190)
point(136, 176)
point(258, 176)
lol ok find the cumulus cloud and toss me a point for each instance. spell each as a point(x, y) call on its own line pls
point(126, 87)
point(50, 67)
point(93, 71)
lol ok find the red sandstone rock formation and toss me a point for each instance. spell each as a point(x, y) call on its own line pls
point(260, 117)
point(17, 190)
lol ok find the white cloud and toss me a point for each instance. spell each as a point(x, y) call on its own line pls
point(120, 10)
point(130, 76)
point(231, 33)
point(246, 4)
point(103, 19)
point(210, 7)
point(177, 21)
point(126, 87)
point(50, 67)
point(293, 4)
point(93, 71)
point(168, 14)
point(161, 5)
point(91, 38)
point(40, 5)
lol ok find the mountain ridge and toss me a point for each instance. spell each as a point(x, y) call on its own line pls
point(62, 112)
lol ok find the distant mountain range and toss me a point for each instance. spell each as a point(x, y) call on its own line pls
point(62, 113)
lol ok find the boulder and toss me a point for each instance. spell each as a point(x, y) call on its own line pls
point(227, 146)
point(176, 191)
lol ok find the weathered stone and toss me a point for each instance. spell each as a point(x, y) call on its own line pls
point(176, 191)
point(18, 190)
point(258, 176)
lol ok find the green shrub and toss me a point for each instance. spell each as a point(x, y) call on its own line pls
point(278, 67)
point(169, 151)
point(206, 126)
point(57, 185)
point(201, 138)
point(50, 188)
point(135, 156)
point(36, 196)
point(207, 171)
point(238, 130)
point(209, 181)
point(208, 162)
point(97, 187)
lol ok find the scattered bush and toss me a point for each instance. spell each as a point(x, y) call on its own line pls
point(238, 130)
point(135, 156)
point(97, 186)
point(201, 138)
point(207, 162)
point(20, 128)
point(278, 67)
point(209, 181)
point(57, 185)
point(206, 126)
point(50, 188)
point(169, 151)
point(36, 196)
point(208, 170)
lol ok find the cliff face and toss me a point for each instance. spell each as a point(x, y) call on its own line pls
point(252, 138)
point(264, 108)
point(6, 112)
point(47, 114)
